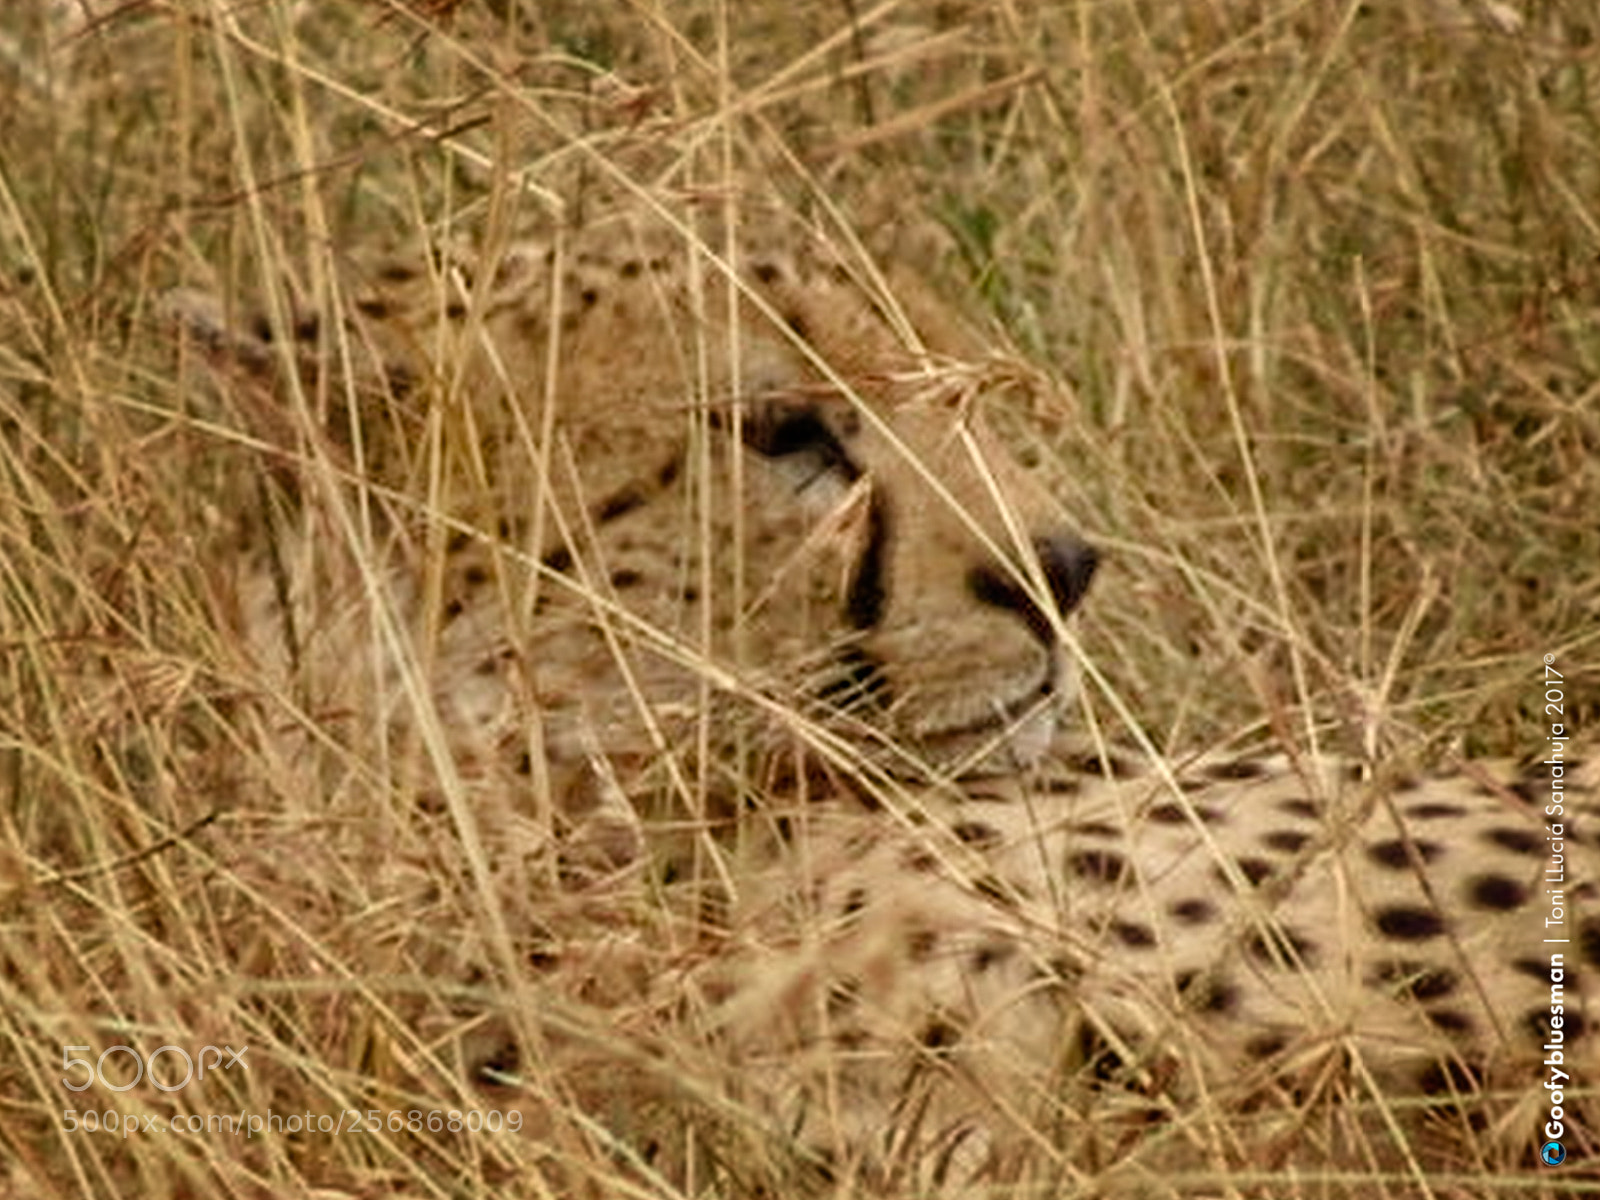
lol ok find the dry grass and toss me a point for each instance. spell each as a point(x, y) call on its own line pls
point(1319, 283)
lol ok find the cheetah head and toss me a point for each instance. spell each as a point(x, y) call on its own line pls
point(769, 465)
point(749, 486)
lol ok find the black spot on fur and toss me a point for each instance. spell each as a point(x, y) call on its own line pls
point(1299, 806)
point(1448, 1078)
point(1421, 982)
point(1537, 1022)
point(1194, 911)
point(630, 268)
point(1205, 993)
point(850, 1038)
point(476, 575)
point(921, 944)
point(1392, 853)
point(1285, 948)
point(991, 954)
point(620, 503)
point(919, 859)
point(1289, 841)
point(854, 901)
point(1175, 814)
point(991, 888)
point(1099, 866)
point(1132, 933)
point(977, 794)
point(1436, 810)
point(261, 329)
point(1529, 791)
point(1265, 1045)
point(1093, 829)
point(1094, 764)
point(1448, 1020)
point(543, 959)
point(1589, 941)
point(767, 272)
point(1408, 923)
point(558, 560)
point(1253, 869)
point(624, 578)
point(1496, 893)
point(1518, 841)
point(1239, 768)
point(975, 833)
point(939, 1034)
point(1434, 985)
point(1058, 785)
point(1533, 968)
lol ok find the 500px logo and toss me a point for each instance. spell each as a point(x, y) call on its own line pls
point(210, 1058)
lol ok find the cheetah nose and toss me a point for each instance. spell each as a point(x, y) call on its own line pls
point(1068, 566)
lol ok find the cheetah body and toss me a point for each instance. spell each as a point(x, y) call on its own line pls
point(1239, 929)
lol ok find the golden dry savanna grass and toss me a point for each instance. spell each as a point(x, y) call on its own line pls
point(1316, 289)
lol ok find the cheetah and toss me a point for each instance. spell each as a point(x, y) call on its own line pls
point(722, 495)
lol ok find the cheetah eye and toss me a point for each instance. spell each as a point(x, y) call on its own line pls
point(799, 434)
